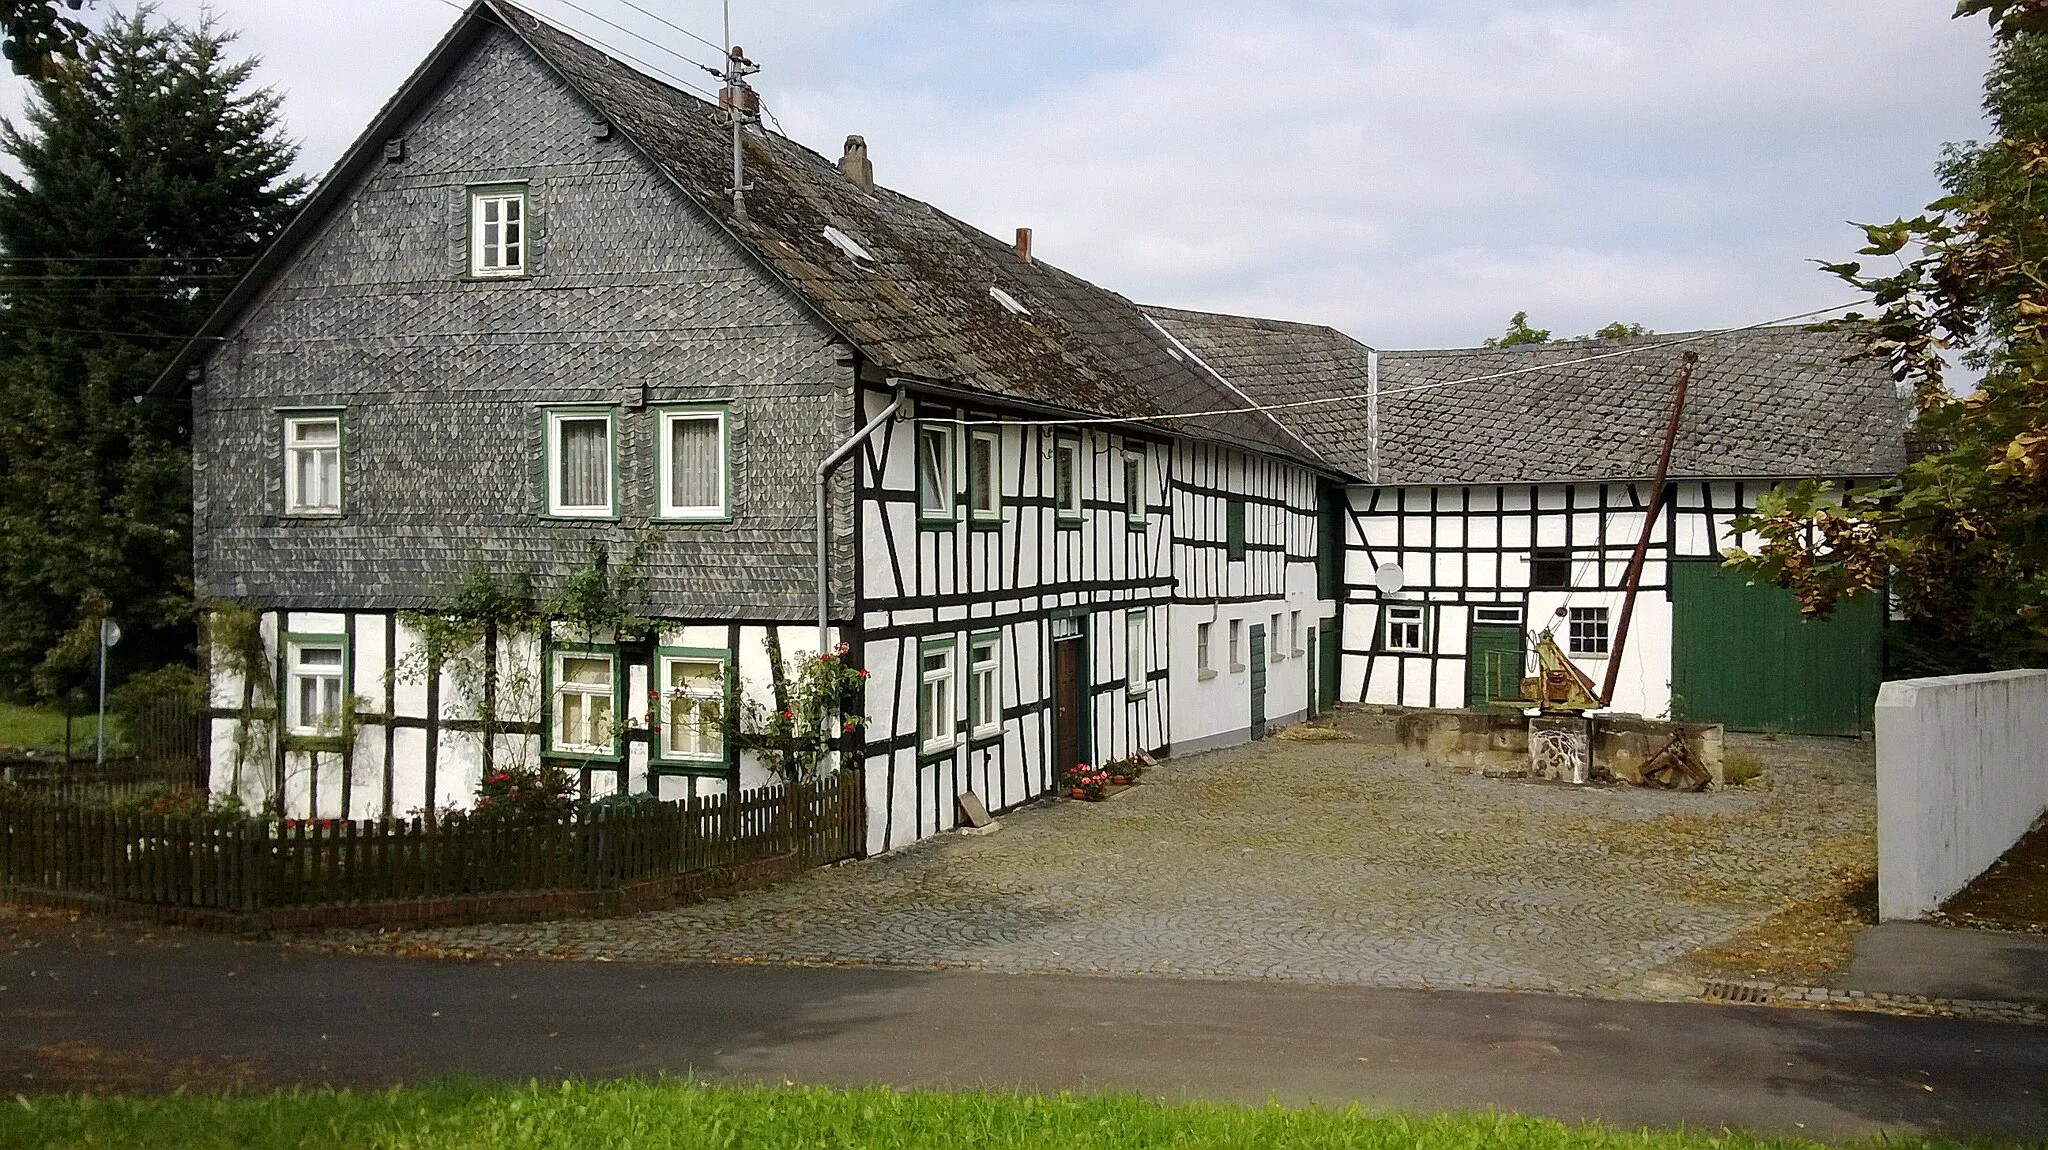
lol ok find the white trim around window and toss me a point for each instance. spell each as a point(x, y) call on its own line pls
point(317, 669)
point(582, 463)
point(312, 463)
point(985, 684)
point(934, 473)
point(693, 689)
point(1066, 481)
point(696, 465)
point(584, 708)
point(1137, 652)
point(1586, 632)
point(1404, 630)
point(985, 476)
point(935, 722)
point(498, 232)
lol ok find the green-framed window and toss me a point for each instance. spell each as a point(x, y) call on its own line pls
point(985, 684)
point(316, 672)
point(584, 685)
point(313, 462)
point(582, 460)
point(937, 674)
point(1066, 480)
point(1134, 489)
point(696, 690)
point(984, 477)
point(695, 463)
point(935, 474)
point(499, 240)
point(1233, 538)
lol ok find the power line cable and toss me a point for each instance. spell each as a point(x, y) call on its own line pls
point(649, 41)
point(677, 27)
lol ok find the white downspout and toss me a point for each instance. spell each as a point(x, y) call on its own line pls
point(824, 481)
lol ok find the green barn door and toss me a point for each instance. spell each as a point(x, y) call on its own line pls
point(1329, 662)
point(1741, 655)
point(1258, 681)
point(1493, 665)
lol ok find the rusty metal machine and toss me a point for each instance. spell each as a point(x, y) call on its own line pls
point(1558, 687)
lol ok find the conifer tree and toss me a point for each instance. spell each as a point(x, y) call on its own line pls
point(153, 171)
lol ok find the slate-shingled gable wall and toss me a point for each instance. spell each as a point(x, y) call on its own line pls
point(443, 428)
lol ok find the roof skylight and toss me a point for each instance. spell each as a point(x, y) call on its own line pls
point(848, 245)
point(1008, 301)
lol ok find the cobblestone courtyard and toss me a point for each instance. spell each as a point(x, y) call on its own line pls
point(1299, 861)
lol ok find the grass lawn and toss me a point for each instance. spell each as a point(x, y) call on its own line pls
point(42, 729)
point(676, 1114)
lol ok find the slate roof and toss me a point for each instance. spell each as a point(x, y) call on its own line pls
point(1773, 402)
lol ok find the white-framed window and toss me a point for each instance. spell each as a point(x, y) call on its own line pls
point(1404, 630)
point(1502, 616)
point(1586, 628)
point(985, 476)
point(1273, 637)
point(1066, 478)
point(694, 463)
point(1294, 632)
point(693, 707)
point(1202, 631)
point(985, 684)
point(497, 233)
point(1138, 650)
point(1237, 644)
point(934, 472)
point(1134, 488)
point(935, 694)
point(312, 464)
point(585, 702)
point(581, 463)
point(316, 665)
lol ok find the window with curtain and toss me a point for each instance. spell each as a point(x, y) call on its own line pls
point(316, 678)
point(934, 473)
point(694, 690)
point(580, 463)
point(583, 703)
point(693, 464)
point(312, 465)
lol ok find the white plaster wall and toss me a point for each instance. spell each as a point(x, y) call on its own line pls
point(1962, 773)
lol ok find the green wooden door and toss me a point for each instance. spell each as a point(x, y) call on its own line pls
point(1258, 681)
point(1329, 662)
point(1493, 665)
point(1742, 656)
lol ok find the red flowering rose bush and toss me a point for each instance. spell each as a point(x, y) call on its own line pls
point(529, 794)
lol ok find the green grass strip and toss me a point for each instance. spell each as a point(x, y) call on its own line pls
point(679, 1114)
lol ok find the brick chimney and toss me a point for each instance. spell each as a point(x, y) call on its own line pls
point(854, 165)
point(1024, 244)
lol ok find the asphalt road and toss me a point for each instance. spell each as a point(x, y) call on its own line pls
point(113, 1011)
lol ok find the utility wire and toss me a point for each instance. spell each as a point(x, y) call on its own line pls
point(677, 27)
point(649, 41)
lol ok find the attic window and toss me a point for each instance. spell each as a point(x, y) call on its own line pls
point(848, 245)
point(1008, 301)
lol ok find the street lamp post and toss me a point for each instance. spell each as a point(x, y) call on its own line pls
point(110, 634)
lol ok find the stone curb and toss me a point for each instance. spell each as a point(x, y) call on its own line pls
point(1741, 993)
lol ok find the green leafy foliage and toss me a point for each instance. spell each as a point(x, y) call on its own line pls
point(1620, 330)
point(151, 171)
point(606, 597)
point(525, 793)
point(818, 704)
point(1519, 332)
point(1960, 537)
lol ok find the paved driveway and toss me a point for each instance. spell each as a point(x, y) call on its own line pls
point(1319, 862)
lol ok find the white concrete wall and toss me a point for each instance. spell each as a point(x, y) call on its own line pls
point(1962, 773)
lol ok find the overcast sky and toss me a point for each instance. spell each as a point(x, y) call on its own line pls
point(1412, 171)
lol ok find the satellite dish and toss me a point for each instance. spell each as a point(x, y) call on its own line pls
point(1390, 578)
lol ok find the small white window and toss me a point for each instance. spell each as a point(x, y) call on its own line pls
point(984, 476)
point(1588, 631)
point(316, 669)
point(1134, 489)
point(985, 685)
point(1202, 646)
point(580, 464)
point(1008, 301)
point(1237, 644)
point(1404, 629)
point(1066, 478)
point(1505, 616)
point(934, 472)
point(497, 233)
point(693, 690)
point(848, 245)
point(935, 695)
point(583, 703)
point(1138, 650)
point(1294, 633)
point(693, 464)
point(1273, 637)
point(312, 465)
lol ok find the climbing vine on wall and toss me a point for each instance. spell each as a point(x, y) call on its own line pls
point(818, 703)
point(235, 637)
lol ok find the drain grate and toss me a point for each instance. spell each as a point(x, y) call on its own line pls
point(1737, 992)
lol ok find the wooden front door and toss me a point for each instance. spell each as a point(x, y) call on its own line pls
point(1066, 706)
point(1258, 681)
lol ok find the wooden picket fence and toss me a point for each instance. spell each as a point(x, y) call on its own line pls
point(248, 865)
point(112, 781)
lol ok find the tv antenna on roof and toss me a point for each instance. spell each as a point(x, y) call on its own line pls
point(743, 106)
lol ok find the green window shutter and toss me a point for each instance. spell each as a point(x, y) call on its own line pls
point(1234, 541)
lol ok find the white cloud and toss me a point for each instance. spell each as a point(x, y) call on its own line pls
point(1413, 171)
